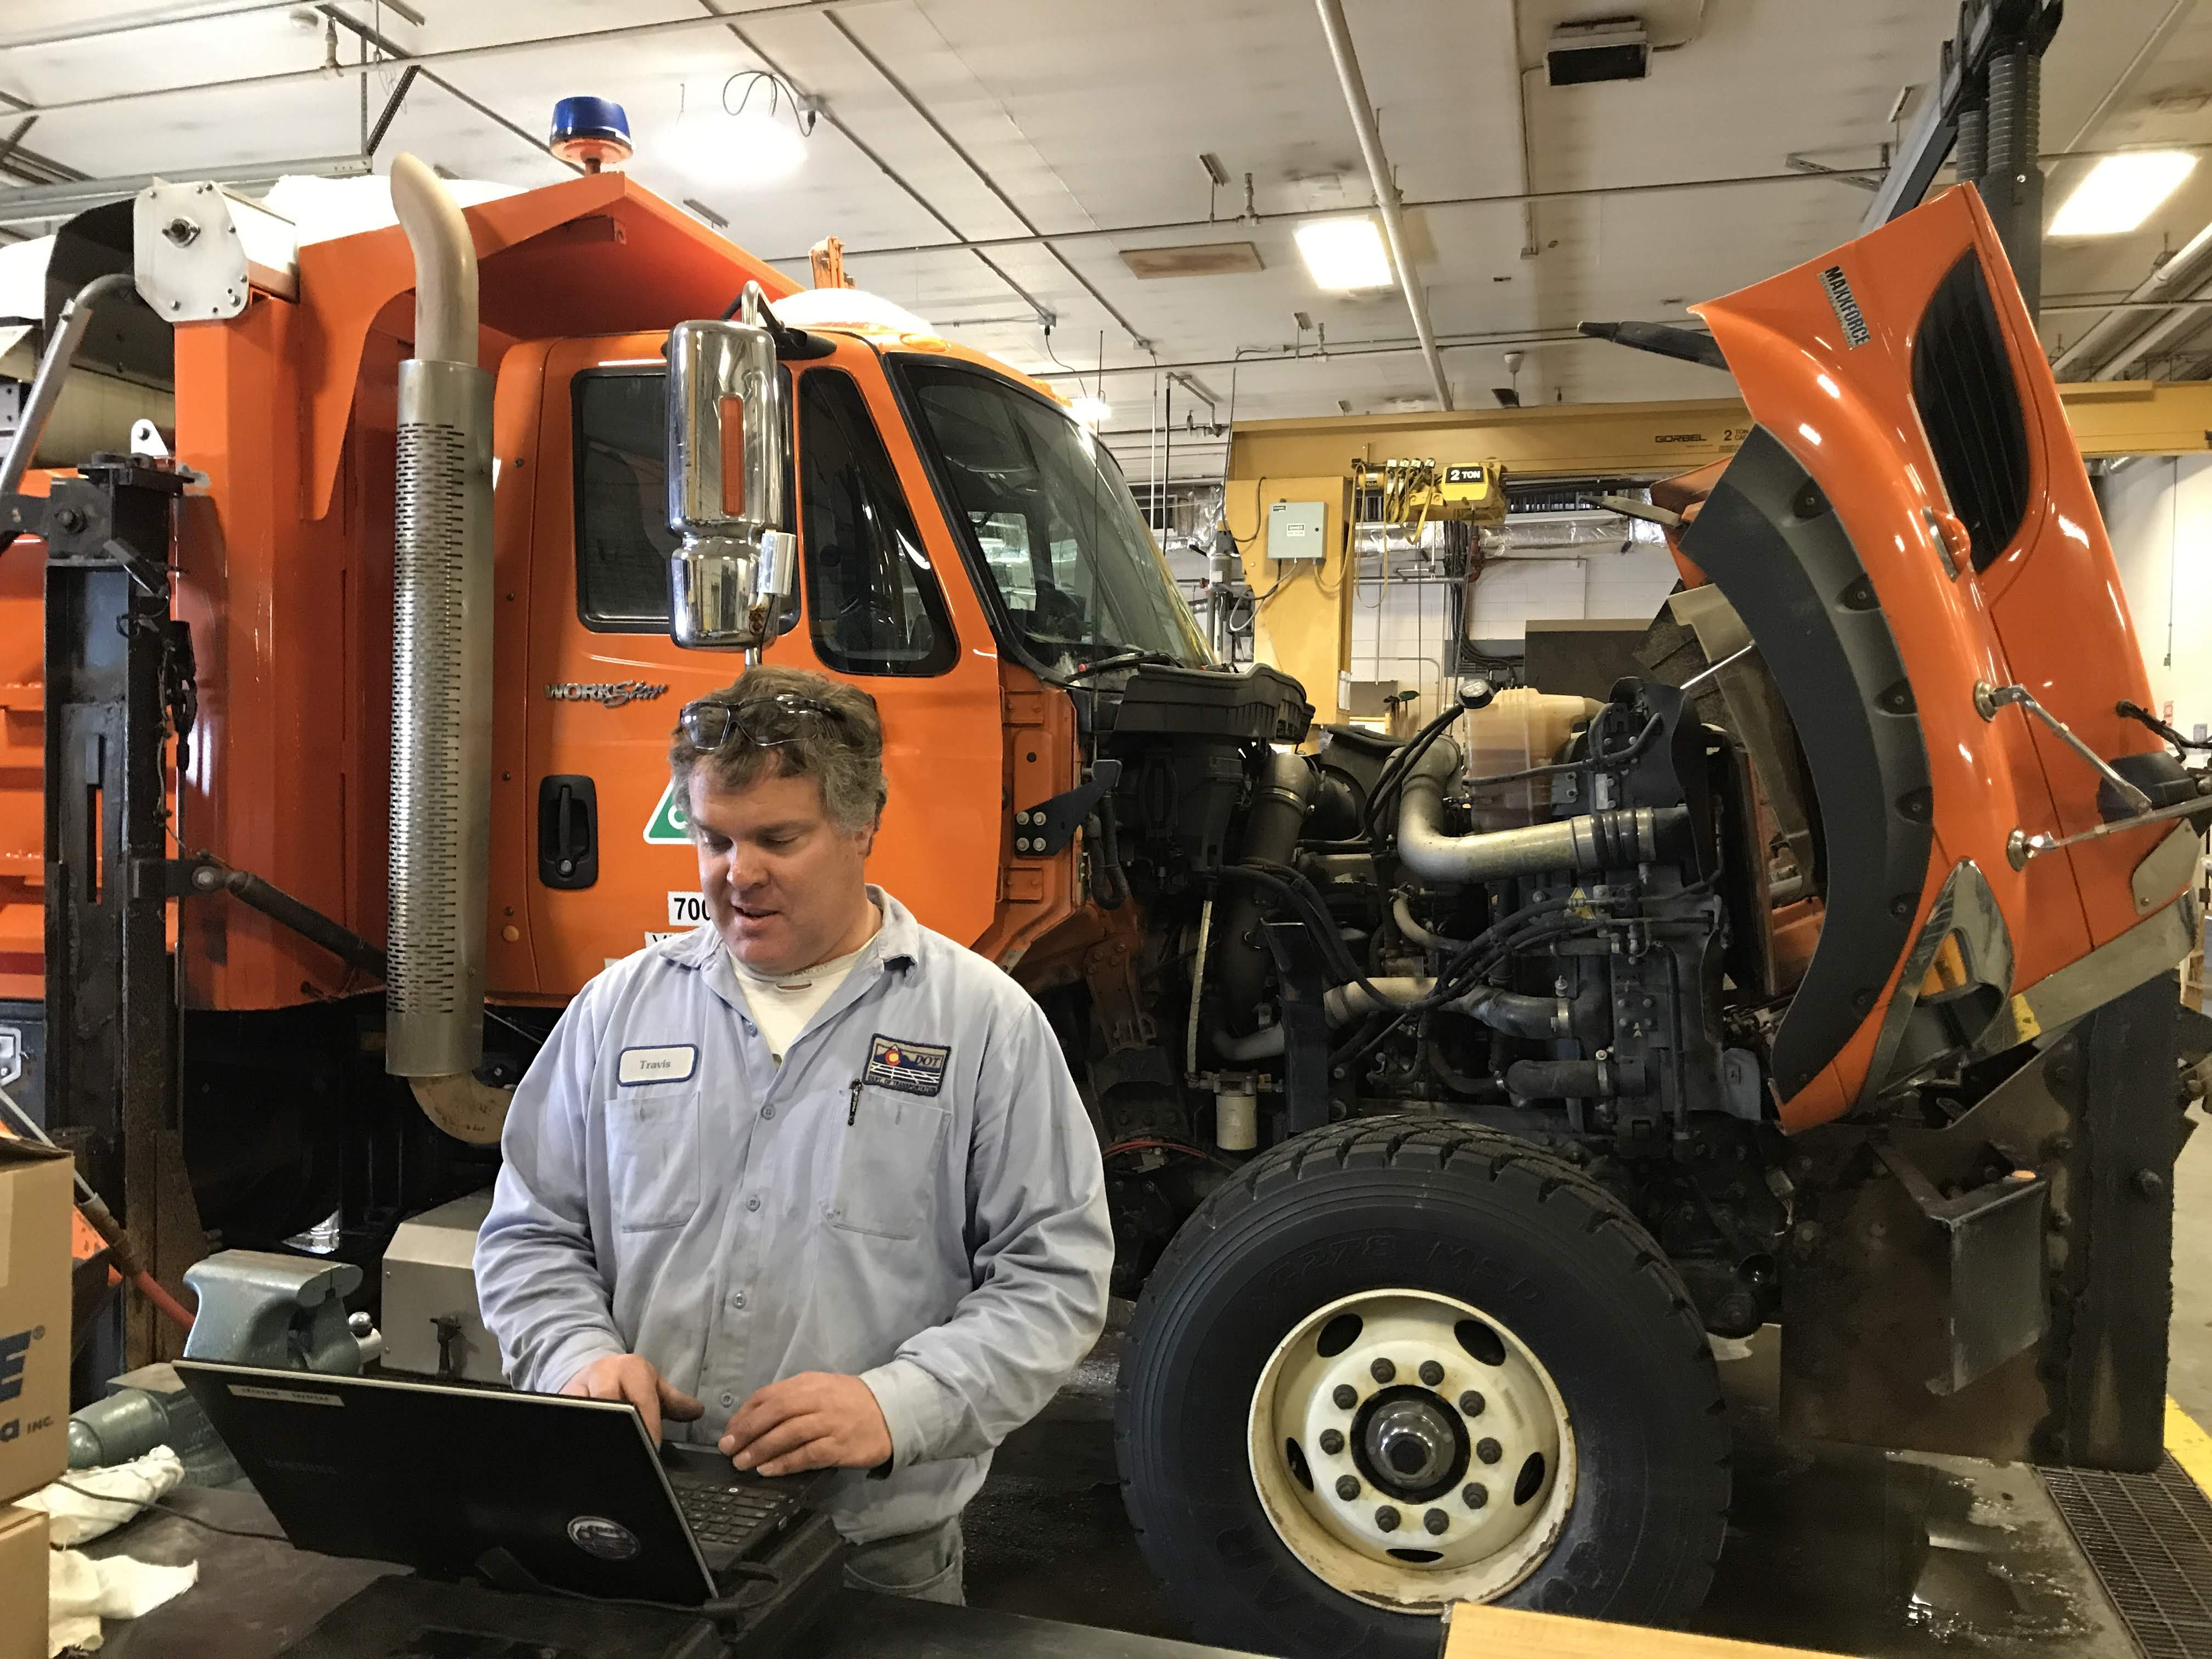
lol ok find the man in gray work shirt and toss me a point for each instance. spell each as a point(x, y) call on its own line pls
point(814, 1173)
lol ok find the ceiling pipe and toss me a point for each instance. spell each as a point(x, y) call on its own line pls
point(2147, 53)
point(2165, 331)
point(1529, 246)
point(1248, 357)
point(828, 116)
point(484, 53)
point(132, 23)
point(1386, 190)
point(890, 78)
point(2108, 342)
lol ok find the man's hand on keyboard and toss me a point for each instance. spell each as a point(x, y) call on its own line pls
point(629, 1376)
point(815, 1420)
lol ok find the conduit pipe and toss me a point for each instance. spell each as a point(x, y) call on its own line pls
point(69, 329)
point(442, 633)
point(1386, 190)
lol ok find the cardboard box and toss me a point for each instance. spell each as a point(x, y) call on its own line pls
point(35, 1316)
point(1475, 1631)
point(22, 1583)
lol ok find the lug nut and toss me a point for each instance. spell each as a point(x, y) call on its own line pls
point(1383, 1370)
point(1346, 1396)
point(1436, 1521)
point(1331, 1442)
point(1474, 1494)
point(1489, 1450)
point(1387, 1518)
point(1432, 1373)
point(1471, 1403)
point(1347, 1487)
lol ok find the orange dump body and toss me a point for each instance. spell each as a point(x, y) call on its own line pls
point(1902, 400)
point(284, 574)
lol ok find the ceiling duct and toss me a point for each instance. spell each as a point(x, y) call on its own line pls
point(1603, 48)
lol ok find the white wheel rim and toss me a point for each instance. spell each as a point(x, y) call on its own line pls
point(1409, 1443)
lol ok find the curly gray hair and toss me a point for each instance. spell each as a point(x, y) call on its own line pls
point(845, 756)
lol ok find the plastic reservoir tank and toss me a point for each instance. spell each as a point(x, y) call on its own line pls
point(1521, 727)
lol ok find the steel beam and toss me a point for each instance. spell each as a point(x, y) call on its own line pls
point(2109, 417)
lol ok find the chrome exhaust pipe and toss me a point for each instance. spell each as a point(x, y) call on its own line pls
point(441, 662)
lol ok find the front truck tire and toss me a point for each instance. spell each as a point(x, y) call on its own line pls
point(1500, 1322)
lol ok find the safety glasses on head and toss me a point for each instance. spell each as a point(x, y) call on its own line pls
point(763, 722)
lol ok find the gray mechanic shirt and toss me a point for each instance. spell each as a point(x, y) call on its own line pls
point(914, 1196)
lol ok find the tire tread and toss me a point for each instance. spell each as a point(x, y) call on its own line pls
point(1398, 1142)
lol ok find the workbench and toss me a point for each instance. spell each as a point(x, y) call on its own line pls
point(256, 1595)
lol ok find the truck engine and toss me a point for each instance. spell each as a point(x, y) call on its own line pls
point(1532, 916)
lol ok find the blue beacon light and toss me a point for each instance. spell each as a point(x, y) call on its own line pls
point(590, 133)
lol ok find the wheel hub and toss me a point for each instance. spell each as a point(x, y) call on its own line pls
point(1411, 1446)
point(1411, 1450)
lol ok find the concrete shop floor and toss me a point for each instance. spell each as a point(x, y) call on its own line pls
point(1898, 1556)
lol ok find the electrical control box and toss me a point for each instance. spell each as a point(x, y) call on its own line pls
point(1295, 531)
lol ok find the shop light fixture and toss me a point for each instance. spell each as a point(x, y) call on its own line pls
point(761, 146)
point(1344, 253)
point(2121, 191)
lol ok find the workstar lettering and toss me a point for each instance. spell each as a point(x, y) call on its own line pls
point(612, 695)
point(912, 1068)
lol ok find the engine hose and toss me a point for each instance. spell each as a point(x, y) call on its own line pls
point(1263, 1044)
point(1401, 912)
point(1461, 977)
point(1459, 1081)
point(1517, 1014)
point(1594, 841)
point(1113, 889)
point(1271, 834)
point(1575, 1079)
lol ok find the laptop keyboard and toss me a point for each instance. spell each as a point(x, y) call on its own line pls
point(733, 1521)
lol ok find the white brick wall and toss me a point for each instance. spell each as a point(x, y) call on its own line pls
point(1403, 636)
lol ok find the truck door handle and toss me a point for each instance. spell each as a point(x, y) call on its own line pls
point(568, 831)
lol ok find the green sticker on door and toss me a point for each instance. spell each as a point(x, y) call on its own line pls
point(669, 825)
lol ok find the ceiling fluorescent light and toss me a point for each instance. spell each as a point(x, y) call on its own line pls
point(2121, 191)
point(1344, 253)
point(1092, 411)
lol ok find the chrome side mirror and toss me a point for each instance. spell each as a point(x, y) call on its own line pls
point(732, 576)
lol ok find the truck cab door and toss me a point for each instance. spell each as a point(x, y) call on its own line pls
point(885, 602)
point(600, 865)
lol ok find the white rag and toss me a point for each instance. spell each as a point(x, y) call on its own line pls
point(75, 1515)
point(81, 1591)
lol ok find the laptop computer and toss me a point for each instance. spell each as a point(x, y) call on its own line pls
point(436, 1477)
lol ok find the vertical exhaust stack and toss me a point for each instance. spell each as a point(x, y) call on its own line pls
point(442, 644)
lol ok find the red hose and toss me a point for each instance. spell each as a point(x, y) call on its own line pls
point(1148, 1143)
point(150, 1288)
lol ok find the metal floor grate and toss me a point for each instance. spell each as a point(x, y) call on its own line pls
point(2148, 1539)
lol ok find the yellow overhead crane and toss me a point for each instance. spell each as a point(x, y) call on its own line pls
point(1304, 626)
point(1411, 491)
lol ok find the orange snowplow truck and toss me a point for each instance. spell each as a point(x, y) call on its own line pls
point(1452, 1090)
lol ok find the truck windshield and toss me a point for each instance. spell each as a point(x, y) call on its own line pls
point(1077, 573)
